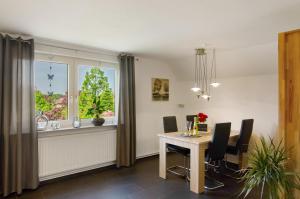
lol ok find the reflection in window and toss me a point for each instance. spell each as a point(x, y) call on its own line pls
point(51, 89)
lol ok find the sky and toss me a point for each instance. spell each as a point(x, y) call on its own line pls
point(59, 84)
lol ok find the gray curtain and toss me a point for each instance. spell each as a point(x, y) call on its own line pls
point(126, 130)
point(19, 144)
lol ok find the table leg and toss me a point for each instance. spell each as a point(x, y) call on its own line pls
point(162, 158)
point(243, 161)
point(197, 169)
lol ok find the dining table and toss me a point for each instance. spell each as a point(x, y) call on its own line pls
point(197, 145)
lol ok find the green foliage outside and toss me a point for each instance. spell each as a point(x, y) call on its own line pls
point(95, 95)
point(55, 107)
point(41, 103)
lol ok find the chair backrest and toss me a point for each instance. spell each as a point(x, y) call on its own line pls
point(217, 147)
point(170, 124)
point(245, 135)
point(190, 118)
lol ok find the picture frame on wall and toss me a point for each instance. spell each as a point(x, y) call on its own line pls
point(160, 89)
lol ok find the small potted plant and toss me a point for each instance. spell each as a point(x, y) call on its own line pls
point(267, 172)
point(202, 119)
point(96, 110)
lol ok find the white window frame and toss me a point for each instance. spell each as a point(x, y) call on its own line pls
point(69, 62)
point(73, 89)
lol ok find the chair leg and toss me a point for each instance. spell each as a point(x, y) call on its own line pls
point(188, 170)
point(214, 165)
point(217, 183)
point(231, 169)
point(184, 168)
point(171, 170)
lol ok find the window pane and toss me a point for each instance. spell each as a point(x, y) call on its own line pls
point(97, 92)
point(51, 89)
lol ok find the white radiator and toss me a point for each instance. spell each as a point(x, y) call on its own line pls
point(66, 154)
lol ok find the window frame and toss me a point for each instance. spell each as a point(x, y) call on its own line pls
point(73, 85)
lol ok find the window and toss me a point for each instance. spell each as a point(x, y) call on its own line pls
point(95, 81)
point(66, 87)
point(51, 89)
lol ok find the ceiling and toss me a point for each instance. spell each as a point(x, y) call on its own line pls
point(244, 32)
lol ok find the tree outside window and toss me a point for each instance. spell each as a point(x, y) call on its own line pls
point(94, 85)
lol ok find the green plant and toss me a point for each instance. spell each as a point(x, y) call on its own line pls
point(95, 96)
point(268, 173)
point(97, 108)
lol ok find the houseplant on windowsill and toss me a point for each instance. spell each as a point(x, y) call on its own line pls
point(202, 119)
point(96, 110)
point(267, 172)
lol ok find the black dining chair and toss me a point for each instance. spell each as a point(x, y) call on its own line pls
point(170, 125)
point(215, 153)
point(242, 144)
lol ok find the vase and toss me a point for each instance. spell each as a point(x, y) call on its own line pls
point(202, 127)
point(76, 122)
point(98, 121)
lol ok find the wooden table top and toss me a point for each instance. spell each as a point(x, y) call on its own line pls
point(205, 137)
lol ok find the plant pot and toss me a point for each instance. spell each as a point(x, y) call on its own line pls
point(98, 121)
point(202, 127)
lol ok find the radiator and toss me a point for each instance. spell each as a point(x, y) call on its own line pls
point(72, 153)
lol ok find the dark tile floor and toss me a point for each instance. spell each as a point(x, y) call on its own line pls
point(138, 182)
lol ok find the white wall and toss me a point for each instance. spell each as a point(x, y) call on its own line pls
point(149, 113)
point(236, 99)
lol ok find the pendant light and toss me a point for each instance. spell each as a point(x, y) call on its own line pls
point(205, 73)
point(214, 82)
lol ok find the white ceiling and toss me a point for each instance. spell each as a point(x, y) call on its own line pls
point(243, 31)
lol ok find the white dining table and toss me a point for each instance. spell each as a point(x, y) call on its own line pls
point(197, 146)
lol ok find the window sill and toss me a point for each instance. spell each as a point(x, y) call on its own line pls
point(71, 130)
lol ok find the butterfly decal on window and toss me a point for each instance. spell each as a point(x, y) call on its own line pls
point(50, 77)
point(50, 93)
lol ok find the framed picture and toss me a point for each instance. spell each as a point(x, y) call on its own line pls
point(160, 89)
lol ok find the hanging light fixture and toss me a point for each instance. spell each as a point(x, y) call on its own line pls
point(214, 82)
point(205, 73)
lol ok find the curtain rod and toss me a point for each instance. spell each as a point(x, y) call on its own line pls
point(128, 54)
point(78, 49)
point(17, 35)
point(76, 53)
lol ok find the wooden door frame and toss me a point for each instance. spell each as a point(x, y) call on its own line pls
point(282, 87)
point(284, 101)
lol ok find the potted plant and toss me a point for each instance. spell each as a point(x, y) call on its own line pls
point(96, 110)
point(267, 172)
point(202, 119)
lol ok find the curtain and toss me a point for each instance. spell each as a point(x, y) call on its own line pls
point(18, 144)
point(126, 129)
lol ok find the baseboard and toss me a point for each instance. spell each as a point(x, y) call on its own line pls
point(148, 155)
